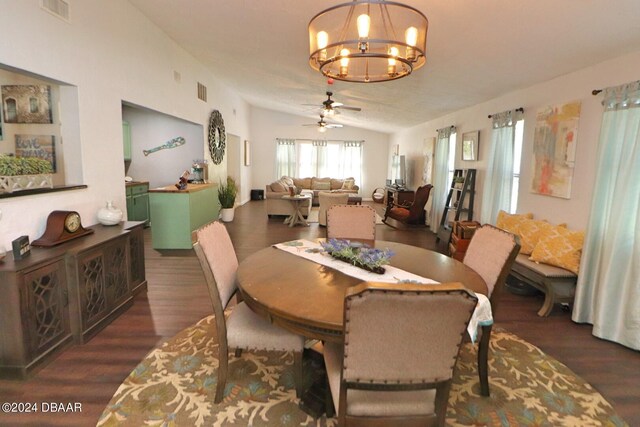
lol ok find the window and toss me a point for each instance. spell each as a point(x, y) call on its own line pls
point(517, 158)
point(320, 158)
point(33, 106)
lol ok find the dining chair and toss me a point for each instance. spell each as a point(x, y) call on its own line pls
point(243, 329)
point(411, 212)
point(351, 222)
point(401, 345)
point(327, 199)
point(491, 254)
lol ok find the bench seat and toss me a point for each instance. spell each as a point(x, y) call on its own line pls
point(557, 283)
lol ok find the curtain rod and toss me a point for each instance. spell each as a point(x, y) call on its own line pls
point(517, 109)
point(452, 127)
point(327, 140)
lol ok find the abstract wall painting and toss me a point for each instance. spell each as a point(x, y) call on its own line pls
point(40, 146)
point(27, 104)
point(554, 149)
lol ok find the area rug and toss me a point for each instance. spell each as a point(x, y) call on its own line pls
point(175, 384)
point(313, 215)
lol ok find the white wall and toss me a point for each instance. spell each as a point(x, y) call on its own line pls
point(150, 129)
point(267, 125)
point(111, 53)
point(572, 87)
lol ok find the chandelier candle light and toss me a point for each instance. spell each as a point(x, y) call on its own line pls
point(367, 41)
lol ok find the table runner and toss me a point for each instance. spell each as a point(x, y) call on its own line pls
point(313, 251)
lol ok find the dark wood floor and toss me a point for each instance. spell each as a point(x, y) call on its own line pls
point(177, 297)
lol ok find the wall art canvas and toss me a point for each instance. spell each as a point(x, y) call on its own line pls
point(40, 146)
point(1, 134)
point(554, 149)
point(27, 104)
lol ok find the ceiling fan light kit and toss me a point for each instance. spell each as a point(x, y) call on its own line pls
point(367, 41)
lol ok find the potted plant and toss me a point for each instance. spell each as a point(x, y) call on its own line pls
point(227, 197)
point(21, 173)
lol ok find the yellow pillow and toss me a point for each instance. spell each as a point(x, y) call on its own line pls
point(530, 231)
point(560, 247)
point(511, 222)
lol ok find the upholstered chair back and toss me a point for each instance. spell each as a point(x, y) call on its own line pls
point(351, 222)
point(217, 248)
point(491, 253)
point(326, 200)
point(416, 210)
point(403, 336)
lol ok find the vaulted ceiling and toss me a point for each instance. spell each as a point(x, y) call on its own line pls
point(476, 50)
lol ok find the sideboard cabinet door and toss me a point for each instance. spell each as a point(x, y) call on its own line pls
point(45, 313)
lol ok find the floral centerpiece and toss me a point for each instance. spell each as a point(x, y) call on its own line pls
point(363, 256)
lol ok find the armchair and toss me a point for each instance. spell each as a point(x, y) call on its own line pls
point(412, 212)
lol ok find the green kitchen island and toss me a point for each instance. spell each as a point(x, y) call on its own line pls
point(176, 213)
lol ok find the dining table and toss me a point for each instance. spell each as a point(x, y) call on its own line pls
point(307, 298)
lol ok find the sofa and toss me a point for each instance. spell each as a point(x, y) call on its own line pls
point(276, 205)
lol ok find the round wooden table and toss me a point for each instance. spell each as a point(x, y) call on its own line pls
point(307, 298)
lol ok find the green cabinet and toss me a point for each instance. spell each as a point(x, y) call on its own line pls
point(126, 140)
point(138, 201)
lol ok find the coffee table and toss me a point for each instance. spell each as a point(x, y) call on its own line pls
point(354, 200)
point(296, 216)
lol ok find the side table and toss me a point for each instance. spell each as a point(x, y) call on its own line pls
point(296, 216)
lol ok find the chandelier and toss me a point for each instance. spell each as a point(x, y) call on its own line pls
point(367, 41)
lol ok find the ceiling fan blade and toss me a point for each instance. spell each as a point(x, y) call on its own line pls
point(344, 107)
point(332, 126)
point(335, 104)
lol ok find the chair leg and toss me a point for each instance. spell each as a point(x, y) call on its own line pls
point(297, 369)
point(483, 360)
point(223, 368)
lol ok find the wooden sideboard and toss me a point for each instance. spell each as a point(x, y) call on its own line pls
point(66, 293)
point(397, 196)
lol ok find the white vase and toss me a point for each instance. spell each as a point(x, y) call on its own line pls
point(109, 215)
point(226, 214)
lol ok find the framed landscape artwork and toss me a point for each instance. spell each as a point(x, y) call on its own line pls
point(470, 146)
point(40, 146)
point(27, 104)
point(554, 149)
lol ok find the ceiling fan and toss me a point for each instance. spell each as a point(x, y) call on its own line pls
point(331, 107)
point(323, 126)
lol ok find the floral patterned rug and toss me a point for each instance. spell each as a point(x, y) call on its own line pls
point(175, 385)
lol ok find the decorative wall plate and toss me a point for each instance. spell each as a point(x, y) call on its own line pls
point(217, 137)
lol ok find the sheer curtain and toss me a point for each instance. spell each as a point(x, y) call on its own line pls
point(352, 161)
point(319, 157)
point(608, 290)
point(285, 158)
point(499, 179)
point(440, 176)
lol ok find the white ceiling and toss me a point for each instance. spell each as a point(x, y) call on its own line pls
point(476, 50)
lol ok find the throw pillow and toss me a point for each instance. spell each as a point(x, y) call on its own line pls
point(530, 231)
point(278, 187)
point(511, 222)
point(287, 181)
point(348, 184)
point(321, 185)
point(561, 247)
